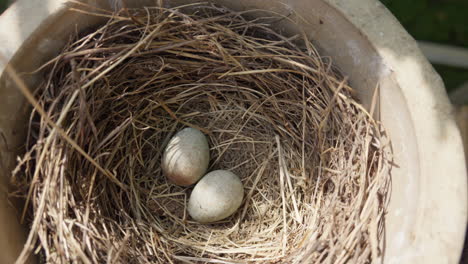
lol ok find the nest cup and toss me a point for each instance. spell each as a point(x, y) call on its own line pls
point(313, 162)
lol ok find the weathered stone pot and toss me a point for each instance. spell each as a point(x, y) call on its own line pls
point(427, 215)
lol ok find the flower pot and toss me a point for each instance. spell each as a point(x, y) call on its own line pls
point(427, 213)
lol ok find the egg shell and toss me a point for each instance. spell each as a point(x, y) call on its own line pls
point(216, 196)
point(186, 157)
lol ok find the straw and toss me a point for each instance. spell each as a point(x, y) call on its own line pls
point(314, 164)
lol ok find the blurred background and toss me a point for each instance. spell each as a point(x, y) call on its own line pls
point(440, 22)
point(441, 28)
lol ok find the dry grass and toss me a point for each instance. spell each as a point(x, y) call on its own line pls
point(314, 164)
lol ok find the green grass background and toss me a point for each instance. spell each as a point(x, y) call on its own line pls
point(3, 4)
point(440, 21)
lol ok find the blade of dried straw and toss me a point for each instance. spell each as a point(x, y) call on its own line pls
point(283, 198)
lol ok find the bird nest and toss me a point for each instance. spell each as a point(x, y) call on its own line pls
point(313, 162)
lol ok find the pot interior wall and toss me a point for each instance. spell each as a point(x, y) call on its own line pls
point(328, 29)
